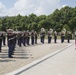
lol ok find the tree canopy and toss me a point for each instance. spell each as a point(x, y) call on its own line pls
point(57, 20)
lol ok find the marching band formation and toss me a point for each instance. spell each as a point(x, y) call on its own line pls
point(23, 37)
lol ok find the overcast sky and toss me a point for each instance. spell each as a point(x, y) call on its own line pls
point(38, 7)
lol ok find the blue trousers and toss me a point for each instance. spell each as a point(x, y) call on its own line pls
point(32, 40)
point(0, 44)
point(42, 39)
point(49, 39)
point(10, 49)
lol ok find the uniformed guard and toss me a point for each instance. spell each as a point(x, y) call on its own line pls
point(35, 37)
point(10, 39)
point(50, 35)
point(32, 37)
point(55, 37)
point(1, 36)
point(42, 35)
point(68, 36)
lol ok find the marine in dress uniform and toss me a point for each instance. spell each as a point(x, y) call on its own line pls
point(24, 38)
point(62, 36)
point(10, 39)
point(1, 36)
point(49, 35)
point(75, 39)
point(27, 37)
point(32, 37)
point(35, 37)
point(4, 38)
point(42, 35)
point(55, 37)
point(19, 39)
point(68, 36)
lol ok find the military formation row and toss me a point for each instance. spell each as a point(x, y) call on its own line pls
point(19, 37)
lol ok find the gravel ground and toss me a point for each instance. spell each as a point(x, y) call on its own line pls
point(25, 55)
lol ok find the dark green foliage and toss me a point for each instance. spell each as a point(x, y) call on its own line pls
point(59, 19)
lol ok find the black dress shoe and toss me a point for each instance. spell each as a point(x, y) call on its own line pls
point(10, 57)
point(0, 50)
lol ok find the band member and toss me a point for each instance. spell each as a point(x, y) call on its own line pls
point(19, 36)
point(1, 36)
point(68, 36)
point(55, 37)
point(10, 39)
point(35, 37)
point(32, 37)
point(27, 37)
point(49, 35)
point(75, 39)
point(62, 36)
point(4, 38)
point(24, 38)
point(42, 35)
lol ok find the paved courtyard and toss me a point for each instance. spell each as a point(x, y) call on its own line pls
point(62, 63)
point(23, 56)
